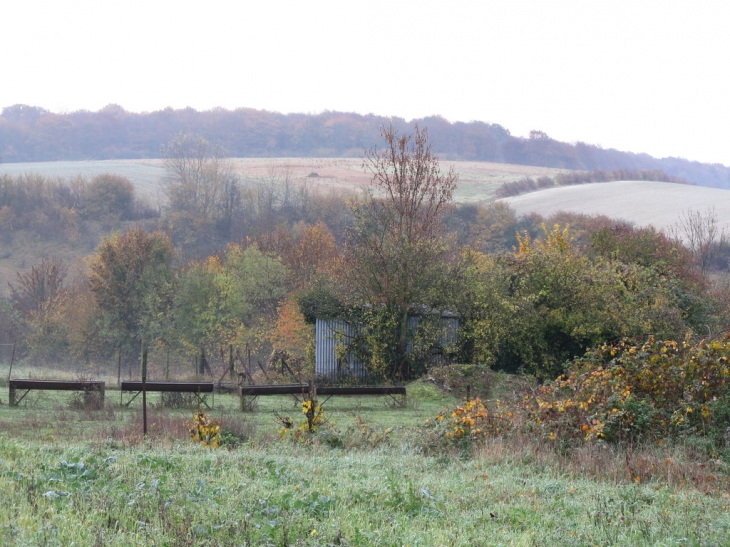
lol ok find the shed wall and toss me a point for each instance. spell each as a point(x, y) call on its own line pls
point(330, 333)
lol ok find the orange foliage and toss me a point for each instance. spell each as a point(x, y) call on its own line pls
point(291, 333)
point(314, 252)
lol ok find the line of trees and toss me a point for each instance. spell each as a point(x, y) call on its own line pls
point(30, 133)
point(528, 184)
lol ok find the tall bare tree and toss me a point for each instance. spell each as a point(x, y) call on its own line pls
point(40, 297)
point(395, 248)
point(202, 188)
point(703, 235)
point(39, 292)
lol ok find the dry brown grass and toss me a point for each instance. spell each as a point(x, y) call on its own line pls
point(675, 466)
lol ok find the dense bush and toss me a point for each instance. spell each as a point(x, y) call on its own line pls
point(548, 302)
point(626, 393)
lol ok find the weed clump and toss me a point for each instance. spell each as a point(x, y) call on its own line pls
point(466, 425)
point(302, 431)
point(174, 399)
point(205, 431)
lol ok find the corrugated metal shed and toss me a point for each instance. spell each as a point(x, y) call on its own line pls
point(331, 333)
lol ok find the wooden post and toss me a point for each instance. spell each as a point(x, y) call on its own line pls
point(468, 393)
point(312, 411)
point(248, 352)
point(11, 400)
point(167, 366)
point(230, 361)
point(119, 367)
point(12, 358)
point(144, 388)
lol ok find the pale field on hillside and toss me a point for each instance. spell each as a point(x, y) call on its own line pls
point(659, 204)
point(477, 180)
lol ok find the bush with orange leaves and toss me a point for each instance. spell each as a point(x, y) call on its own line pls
point(467, 423)
point(627, 393)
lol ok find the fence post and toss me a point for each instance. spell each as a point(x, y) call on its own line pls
point(119, 367)
point(144, 388)
point(12, 359)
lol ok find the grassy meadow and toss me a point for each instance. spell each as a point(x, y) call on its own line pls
point(71, 475)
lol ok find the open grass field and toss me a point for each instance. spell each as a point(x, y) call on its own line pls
point(75, 476)
point(659, 204)
point(478, 180)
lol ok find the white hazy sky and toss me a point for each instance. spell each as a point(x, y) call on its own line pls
point(638, 75)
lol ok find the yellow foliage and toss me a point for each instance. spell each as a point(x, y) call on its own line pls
point(205, 431)
point(556, 240)
point(472, 421)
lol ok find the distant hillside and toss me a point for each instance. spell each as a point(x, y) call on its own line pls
point(478, 181)
point(32, 134)
point(659, 204)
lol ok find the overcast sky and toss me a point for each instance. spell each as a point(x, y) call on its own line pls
point(638, 75)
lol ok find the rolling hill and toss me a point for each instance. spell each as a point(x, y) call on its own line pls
point(659, 204)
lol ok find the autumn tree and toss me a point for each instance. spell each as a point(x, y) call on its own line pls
point(395, 248)
point(291, 335)
point(203, 314)
point(131, 278)
point(308, 251)
point(108, 197)
point(231, 299)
